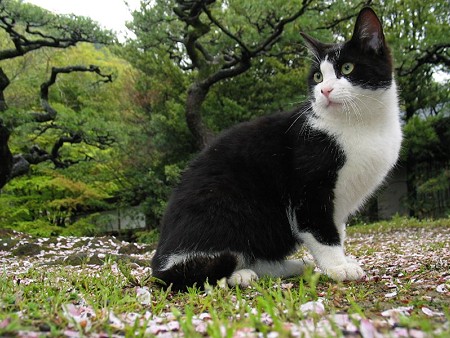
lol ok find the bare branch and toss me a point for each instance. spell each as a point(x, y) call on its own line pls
point(50, 113)
point(435, 55)
point(225, 30)
point(278, 29)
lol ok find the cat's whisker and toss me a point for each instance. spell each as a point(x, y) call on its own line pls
point(359, 95)
point(350, 100)
point(300, 114)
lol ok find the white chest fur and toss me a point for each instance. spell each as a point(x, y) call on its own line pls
point(369, 132)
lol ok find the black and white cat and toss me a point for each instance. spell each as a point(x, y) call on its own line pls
point(265, 187)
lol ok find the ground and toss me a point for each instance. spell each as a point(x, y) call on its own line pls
point(102, 287)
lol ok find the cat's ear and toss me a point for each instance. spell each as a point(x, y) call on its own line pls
point(315, 46)
point(368, 31)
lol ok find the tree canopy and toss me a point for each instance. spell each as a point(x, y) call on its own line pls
point(27, 28)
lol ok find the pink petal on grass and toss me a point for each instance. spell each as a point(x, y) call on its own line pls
point(344, 322)
point(5, 322)
point(204, 316)
point(390, 294)
point(115, 322)
point(431, 313)
point(367, 329)
point(315, 307)
point(173, 326)
point(441, 288)
point(266, 319)
point(156, 329)
point(28, 334)
point(143, 296)
point(201, 327)
point(81, 315)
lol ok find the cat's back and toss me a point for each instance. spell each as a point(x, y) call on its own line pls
point(249, 148)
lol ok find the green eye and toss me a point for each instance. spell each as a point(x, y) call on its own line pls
point(347, 68)
point(318, 77)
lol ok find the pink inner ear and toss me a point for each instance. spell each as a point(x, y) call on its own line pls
point(368, 28)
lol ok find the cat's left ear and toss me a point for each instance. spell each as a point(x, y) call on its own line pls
point(315, 46)
point(368, 31)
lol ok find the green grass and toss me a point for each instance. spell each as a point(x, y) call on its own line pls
point(35, 301)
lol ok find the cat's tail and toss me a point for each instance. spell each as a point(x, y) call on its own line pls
point(193, 270)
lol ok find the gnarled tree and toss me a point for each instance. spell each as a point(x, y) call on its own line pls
point(215, 41)
point(28, 28)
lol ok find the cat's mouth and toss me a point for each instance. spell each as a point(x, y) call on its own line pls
point(331, 103)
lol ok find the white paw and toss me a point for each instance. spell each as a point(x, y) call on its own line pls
point(242, 278)
point(347, 271)
point(351, 260)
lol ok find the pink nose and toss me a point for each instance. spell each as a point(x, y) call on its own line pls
point(326, 91)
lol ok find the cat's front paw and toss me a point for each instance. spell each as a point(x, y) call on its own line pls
point(242, 278)
point(348, 271)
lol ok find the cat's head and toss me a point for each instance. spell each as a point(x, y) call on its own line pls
point(343, 75)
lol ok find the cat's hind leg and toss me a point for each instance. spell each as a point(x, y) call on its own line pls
point(186, 270)
point(263, 268)
point(281, 269)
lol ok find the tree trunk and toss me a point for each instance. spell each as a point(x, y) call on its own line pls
point(411, 173)
point(196, 96)
point(6, 158)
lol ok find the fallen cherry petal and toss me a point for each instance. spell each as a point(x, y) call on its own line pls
point(266, 319)
point(367, 329)
point(431, 313)
point(143, 296)
point(316, 307)
point(201, 327)
point(204, 316)
point(5, 322)
point(71, 334)
point(287, 286)
point(416, 334)
point(401, 332)
point(344, 321)
point(403, 310)
point(441, 288)
point(155, 329)
point(115, 322)
point(391, 294)
point(173, 326)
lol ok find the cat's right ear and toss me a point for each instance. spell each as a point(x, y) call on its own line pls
point(368, 32)
point(315, 46)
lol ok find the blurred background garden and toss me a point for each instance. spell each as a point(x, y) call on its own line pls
point(95, 132)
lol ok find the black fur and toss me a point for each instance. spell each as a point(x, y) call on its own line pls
point(197, 272)
point(235, 194)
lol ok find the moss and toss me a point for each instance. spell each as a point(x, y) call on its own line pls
point(132, 248)
point(6, 244)
point(28, 249)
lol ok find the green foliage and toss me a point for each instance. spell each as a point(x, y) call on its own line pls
point(420, 47)
point(85, 106)
point(142, 112)
point(147, 237)
point(46, 198)
point(427, 144)
point(276, 80)
point(421, 139)
point(273, 86)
